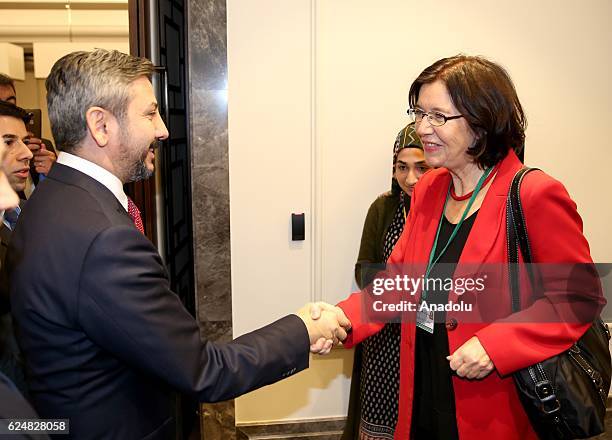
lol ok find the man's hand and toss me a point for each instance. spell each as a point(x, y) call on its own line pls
point(326, 327)
point(322, 346)
point(317, 308)
point(43, 159)
point(471, 360)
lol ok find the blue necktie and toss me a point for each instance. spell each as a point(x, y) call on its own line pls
point(11, 216)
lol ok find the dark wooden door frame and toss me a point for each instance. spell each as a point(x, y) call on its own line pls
point(175, 226)
point(143, 192)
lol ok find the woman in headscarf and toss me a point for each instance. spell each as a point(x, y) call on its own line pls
point(375, 380)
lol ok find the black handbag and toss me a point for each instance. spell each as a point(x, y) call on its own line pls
point(564, 396)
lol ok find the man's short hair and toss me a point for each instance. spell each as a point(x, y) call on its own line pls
point(6, 81)
point(9, 109)
point(81, 80)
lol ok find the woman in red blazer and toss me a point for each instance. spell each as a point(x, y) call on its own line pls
point(455, 379)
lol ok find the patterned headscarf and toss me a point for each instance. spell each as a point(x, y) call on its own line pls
point(406, 138)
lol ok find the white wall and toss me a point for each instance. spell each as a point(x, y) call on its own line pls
point(271, 176)
point(318, 90)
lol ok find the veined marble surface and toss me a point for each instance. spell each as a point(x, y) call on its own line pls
point(207, 65)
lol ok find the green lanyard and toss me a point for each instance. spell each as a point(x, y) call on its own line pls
point(432, 260)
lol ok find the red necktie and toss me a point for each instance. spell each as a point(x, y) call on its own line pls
point(134, 213)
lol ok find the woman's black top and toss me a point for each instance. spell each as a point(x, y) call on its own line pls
point(433, 412)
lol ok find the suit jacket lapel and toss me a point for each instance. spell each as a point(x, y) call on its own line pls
point(5, 236)
point(424, 232)
point(106, 199)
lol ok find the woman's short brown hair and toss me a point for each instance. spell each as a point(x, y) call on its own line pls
point(484, 94)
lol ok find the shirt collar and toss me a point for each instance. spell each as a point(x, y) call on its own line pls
point(96, 172)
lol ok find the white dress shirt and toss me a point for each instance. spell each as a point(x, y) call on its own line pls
point(96, 172)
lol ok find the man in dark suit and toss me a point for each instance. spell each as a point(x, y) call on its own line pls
point(12, 403)
point(104, 338)
point(43, 150)
point(14, 406)
point(15, 163)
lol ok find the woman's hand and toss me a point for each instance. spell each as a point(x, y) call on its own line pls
point(471, 360)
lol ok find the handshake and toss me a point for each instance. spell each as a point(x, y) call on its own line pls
point(327, 326)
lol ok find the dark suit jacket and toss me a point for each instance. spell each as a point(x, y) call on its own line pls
point(14, 406)
point(11, 361)
point(5, 236)
point(105, 340)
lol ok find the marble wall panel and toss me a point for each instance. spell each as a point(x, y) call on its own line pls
point(207, 55)
point(210, 186)
point(208, 43)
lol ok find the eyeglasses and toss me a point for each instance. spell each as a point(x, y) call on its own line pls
point(436, 119)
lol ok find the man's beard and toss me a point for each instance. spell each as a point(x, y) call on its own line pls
point(139, 170)
point(135, 168)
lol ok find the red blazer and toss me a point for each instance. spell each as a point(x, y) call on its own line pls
point(490, 407)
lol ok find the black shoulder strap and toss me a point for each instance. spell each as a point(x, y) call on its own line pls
point(516, 232)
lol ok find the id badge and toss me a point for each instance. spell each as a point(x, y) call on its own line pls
point(425, 319)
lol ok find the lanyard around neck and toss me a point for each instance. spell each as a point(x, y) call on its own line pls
point(432, 258)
